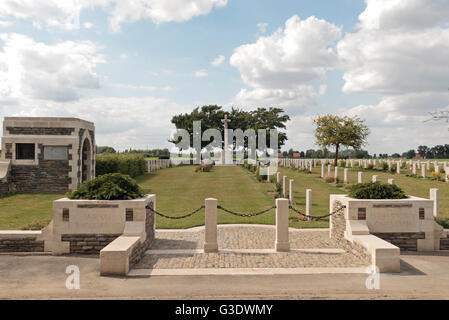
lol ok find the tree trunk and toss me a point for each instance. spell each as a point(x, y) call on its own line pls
point(336, 154)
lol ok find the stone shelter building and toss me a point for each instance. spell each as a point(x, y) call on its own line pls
point(46, 155)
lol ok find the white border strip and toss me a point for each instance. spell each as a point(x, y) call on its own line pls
point(247, 251)
point(243, 271)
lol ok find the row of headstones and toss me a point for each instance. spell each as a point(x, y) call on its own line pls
point(309, 164)
point(434, 193)
point(156, 164)
point(291, 194)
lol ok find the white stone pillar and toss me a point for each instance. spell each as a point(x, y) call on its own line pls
point(336, 174)
point(328, 169)
point(360, 177)
point(268, 175)
point(282, 242)
point(390, 181)
point(309, 204)
point(414, 168)
point(398, 167)
point(291, 194)
point(423, 171)
point(278, 177)
point(322, 170)
point(374, 179)
point(210, 241)
point(284, 186)
point(345, 176)
point(435, 196)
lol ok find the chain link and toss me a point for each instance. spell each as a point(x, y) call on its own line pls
point(317, 217)
point(247, 215)
point(177, 218)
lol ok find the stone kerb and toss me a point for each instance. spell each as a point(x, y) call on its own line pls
point(86, 226)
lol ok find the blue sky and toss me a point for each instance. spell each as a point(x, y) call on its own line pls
point(130, 69)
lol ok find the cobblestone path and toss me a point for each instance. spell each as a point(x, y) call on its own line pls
point(246, 237)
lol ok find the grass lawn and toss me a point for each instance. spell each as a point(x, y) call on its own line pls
point(181, 190)
point(21, 210)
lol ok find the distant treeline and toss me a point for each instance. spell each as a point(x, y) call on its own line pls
point(436, 152)
point(147, 153)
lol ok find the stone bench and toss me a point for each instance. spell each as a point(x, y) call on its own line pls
point(384, 255)
point(115, 257)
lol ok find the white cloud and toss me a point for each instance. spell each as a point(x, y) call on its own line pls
point(119, 122)
point(5, 24)
point(262, 26)
point(283, 68)
point(160, 11)
point(141, 87)
point(201, 73)
point(66, 14)
point(218, 61)
point(52, 72)
point(405, 15)
point(88, 25)
point(123, 56)
point(400, 54)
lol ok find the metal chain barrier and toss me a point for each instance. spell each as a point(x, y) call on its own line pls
point(177, 218)
point(317, 217)
point(247, 215)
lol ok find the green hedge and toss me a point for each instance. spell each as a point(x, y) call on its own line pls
point(130, 164)
point(376, 190)
point(114, 186)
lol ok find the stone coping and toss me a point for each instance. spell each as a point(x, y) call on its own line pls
point(20, 233)
point(122, 243)
point(61, 119)
point(81, 201)
point(410, 198)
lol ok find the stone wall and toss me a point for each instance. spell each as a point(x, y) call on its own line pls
point(338, 230)
point(49, 176)
point(444, 244)
point(139, 250)
point(40, 131)
point(4, 188)
point(25, 244)
point(406, 241)
point(88, 243)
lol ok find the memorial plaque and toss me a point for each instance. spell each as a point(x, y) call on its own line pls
point(56, 153)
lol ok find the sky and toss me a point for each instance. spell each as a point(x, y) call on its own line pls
point(131, 66)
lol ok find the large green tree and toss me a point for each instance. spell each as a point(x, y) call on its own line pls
point(211, 116)
point(335, 131)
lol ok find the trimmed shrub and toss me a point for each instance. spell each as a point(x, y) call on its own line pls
point(131, 164)
point(113, 186)
point(394, 168)
point(329, 179)
point(376, 190)
point(204, 167)
point(444, 222)
point(278, 190)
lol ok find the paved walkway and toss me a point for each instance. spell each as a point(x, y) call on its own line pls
point(244, 246)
